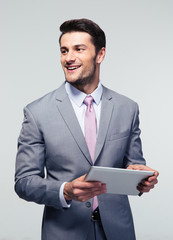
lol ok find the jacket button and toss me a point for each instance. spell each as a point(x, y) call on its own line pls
point(88, 204)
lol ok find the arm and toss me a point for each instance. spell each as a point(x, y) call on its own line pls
point(134, 156)
point(30, 182)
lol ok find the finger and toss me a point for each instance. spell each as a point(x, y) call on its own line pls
point(89, 191)
point(82, 178)
point(137, 167)
point(90, 195)
point(152, 178)
point(149, 182)
point(142, 188)
point(156, 173)
point(83, 185)
point(83, 194)
point(142, 167)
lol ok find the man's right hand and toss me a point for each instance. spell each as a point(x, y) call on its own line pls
point(80, 190)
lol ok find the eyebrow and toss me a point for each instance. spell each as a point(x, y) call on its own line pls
point(80, 45)
point(76, 46)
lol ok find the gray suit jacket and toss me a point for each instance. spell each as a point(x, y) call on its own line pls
point(51, 137)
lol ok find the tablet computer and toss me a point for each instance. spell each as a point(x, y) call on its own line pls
point(118, 180)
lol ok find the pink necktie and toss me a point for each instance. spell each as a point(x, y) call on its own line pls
point(91, 133)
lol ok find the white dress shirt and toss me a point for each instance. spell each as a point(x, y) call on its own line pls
point(77, 100)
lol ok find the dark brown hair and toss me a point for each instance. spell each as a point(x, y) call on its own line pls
point(85, 25)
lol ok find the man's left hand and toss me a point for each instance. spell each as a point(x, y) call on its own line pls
point(147, 184)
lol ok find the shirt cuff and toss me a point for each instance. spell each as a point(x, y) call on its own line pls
point(65, 204)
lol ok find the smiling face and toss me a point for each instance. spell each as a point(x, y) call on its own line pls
point(79, 60)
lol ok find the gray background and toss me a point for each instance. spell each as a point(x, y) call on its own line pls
point(138, 63)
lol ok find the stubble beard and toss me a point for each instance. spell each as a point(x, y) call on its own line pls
point(83, 81)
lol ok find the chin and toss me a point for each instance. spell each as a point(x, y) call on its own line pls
point(71, 80)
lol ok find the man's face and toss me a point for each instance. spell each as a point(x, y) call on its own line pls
point(78, 58)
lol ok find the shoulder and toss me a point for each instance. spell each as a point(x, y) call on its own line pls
point(47, 101)
point(118, 99)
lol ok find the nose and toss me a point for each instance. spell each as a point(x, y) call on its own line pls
point(70, 57)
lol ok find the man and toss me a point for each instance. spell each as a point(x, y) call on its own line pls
point(55, 136)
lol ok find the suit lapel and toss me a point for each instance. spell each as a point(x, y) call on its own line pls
point(105, 117)
point(69, 116)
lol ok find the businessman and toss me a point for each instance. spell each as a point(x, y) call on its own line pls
point(80, 124)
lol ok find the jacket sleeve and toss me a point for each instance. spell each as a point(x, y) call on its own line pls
point(30, 181)
point(134, 154)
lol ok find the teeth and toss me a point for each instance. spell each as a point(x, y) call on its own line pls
point(71, 68)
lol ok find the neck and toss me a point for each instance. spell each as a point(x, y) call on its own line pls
point(88, 88)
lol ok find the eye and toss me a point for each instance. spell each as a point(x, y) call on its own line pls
point(63, 51)
point(80, 49)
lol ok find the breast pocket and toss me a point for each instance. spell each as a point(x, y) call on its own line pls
point(118, 136)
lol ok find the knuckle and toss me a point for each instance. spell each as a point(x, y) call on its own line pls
point(74, 184)
point(81, 199)
point(75, 192)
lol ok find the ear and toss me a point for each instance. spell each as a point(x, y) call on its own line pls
point(100, 55)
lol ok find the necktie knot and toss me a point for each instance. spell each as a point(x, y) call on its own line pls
point(88, 100)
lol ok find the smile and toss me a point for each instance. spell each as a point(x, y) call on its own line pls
point(71, 68)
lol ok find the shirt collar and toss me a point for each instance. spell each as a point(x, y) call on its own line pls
point(78, 97)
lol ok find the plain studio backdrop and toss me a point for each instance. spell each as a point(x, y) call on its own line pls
point(138, 64)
